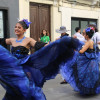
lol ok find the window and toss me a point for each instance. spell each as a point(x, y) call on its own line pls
point(4, 24)
point(1, 25)
point(81, 22)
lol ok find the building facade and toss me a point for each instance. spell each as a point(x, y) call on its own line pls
point(9, 12)
point(49, 15)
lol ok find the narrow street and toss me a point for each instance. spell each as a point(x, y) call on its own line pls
point(56, 91)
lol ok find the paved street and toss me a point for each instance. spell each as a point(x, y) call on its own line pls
point(55, 91)
point(2, 92)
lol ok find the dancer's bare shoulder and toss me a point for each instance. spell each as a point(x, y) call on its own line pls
point(31, 41)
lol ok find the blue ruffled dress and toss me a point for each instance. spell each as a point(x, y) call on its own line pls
point(81, 71)
point(42, 65)
point(21, 53)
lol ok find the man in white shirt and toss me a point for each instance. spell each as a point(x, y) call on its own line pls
point(78, 35)
point(96, 36)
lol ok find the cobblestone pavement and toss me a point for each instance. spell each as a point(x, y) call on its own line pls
point(56, 91)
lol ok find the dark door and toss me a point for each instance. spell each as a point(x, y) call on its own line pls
point(40, 18)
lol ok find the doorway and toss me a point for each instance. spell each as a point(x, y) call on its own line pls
point(40, 18)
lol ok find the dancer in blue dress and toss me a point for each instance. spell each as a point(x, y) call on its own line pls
point(23, 75)
point(81, 70)
point(20, 49)
point(14, 79)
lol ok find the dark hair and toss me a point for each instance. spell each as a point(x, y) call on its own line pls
point(47, 33)
point(77, 29)
point(64, 34)
point(24, 25)
point(90, 33)
point(96, 30)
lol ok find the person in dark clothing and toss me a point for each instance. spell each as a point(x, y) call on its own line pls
point(63, 31)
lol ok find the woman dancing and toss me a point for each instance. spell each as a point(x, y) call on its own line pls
point(23, 75)
point(20, 49)
point(81, 71)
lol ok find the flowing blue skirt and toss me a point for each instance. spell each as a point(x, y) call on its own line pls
point(45, 62)
point(42, 65)
point(81, 71)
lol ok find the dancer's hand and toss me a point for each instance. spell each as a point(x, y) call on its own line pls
point(99, 43)
point(46, 44)
point(75, 37)
point(58, 38)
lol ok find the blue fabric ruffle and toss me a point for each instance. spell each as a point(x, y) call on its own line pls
point(81, 71)
point(42, 65)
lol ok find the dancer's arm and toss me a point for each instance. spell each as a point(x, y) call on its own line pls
point(8, 41)
point(32, 42)
point(99, 42)
point(5, 41)
point(85, 47)
point(74, 36)
point(37, 45)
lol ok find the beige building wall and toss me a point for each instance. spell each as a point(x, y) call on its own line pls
point(55, 22)
point(24, 12)
point(70, 10)
point(61, 14)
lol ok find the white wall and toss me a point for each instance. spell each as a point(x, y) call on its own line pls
point(67, 13)
point(55, 22)
point(24, 12)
